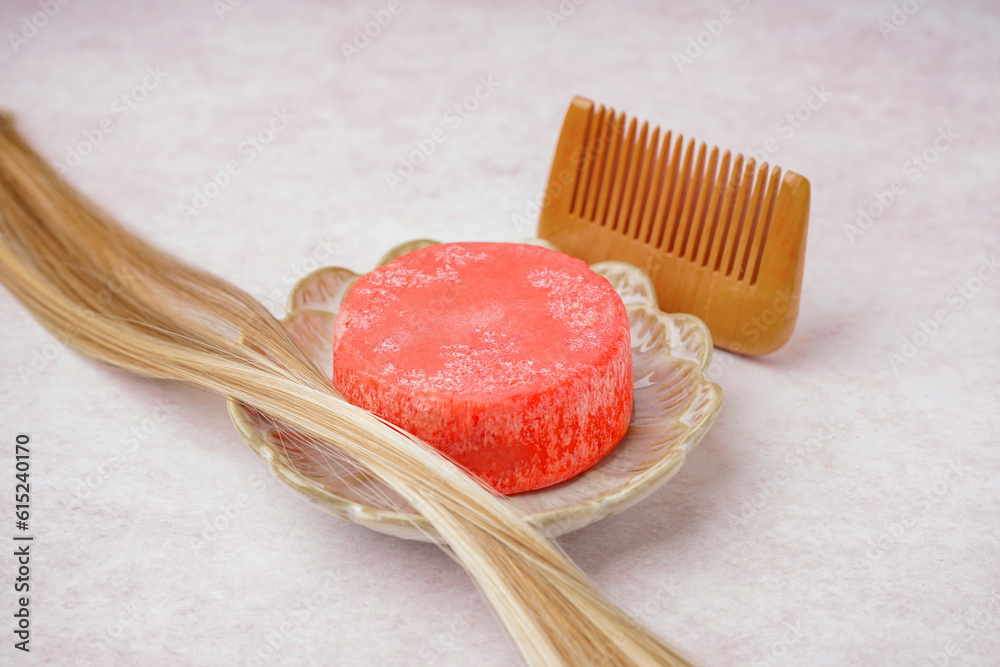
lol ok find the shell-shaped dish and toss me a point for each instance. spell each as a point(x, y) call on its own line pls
point(674, 405)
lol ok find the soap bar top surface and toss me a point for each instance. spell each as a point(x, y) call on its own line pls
point(485, 320)
point(514, 360)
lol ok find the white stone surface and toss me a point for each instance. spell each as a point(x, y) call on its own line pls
point(841, 510)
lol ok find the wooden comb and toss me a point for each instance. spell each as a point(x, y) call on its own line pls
point(720, 239)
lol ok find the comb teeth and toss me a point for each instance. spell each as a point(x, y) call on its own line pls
point(716, 234)
point(681, 200)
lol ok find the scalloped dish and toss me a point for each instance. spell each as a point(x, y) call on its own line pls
point(674, 406)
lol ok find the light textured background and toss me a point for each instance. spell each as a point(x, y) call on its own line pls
point(843, 510)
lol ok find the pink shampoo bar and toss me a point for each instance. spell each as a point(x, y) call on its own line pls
point(513, 360)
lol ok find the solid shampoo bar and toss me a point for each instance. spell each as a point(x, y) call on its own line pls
point(513, 360)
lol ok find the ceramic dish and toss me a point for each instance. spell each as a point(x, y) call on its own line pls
point(674, 405)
